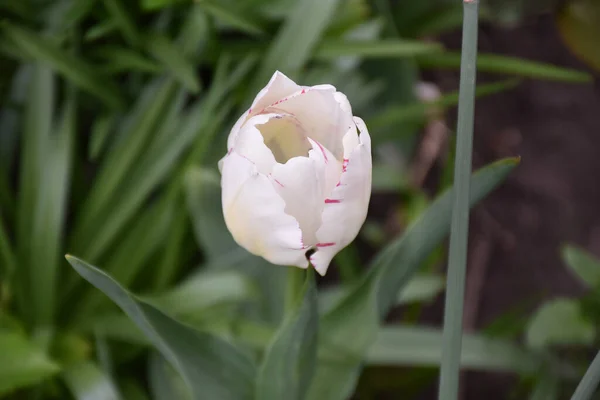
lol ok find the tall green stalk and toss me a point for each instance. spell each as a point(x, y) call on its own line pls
point(589, 382)
point(457, 262)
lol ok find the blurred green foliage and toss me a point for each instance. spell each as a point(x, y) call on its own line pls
point(113, 115)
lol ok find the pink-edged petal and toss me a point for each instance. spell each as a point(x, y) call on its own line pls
point(320, 114)
point(254, 214)
point(330, 169)
point(278, 88)
point(346, 211)
point(298, 182)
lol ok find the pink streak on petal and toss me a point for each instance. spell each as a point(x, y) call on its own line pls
point(326, 244)
point(276, 181)
point(331, 201)
point(323, 151)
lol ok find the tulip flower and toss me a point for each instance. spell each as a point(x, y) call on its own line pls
point(296, 180)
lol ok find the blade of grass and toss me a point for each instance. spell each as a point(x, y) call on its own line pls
point(39, 110)
point(70, 66)
point(8, 260)
point(329, 49)
point(120, 59)
point(396, 114)
point(101, 129)
point(171, 56)
point(133, 133)
point(123, 21)
point(506, 65)
point(49, 215)
point(457, 259)
point(294, 42)
point(172, 253)
point(230, 17)
point(589, 382)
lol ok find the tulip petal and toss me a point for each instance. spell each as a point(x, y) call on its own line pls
point(330, 169)
point(321, 115)
point(298, 182)
point(254, 214)
point(279, 87)
point(346, 211)
point(251, 144)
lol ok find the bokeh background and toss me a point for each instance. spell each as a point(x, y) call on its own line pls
point(113, 114)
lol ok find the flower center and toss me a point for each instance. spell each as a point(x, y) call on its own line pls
point(285, 137)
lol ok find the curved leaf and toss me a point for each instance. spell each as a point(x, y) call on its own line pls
point(23, 364)
point(349, 329)
point(212, 368)
point(289, 362)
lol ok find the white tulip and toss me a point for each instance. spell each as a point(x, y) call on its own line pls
point(297, 174)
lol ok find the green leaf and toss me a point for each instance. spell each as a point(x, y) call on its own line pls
point(546, 388)
point(399, 345)
point(87, 382)
point(49, 216)
point(418, 111)
point(101, 129)
point(296, 39)
point(383, 48)
point(71, 67)
point(289, 360)
point(351, 326)
point(23, 364)
point(165, 383)
point(157, 4)
point(231, 16)
point(134, 133)
point(174, 61)
point(560, 322)
point(506, 65)
point(579, 26)
point(120, 59)
point(421, 288)
point(583, 264)
point(126, 261)
point(200, 358)
point(37, 126)
point(123, 20)
point(206, 289)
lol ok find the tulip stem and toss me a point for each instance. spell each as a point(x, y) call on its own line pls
point(457, 260)
point(589, 382)
point(295, 282)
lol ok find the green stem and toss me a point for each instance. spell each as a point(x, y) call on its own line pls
point(589, 382)
point(453, 311)
point(295, 282)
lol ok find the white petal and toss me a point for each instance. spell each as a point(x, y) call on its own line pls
point(298, 182)
point(235, 130)
point(346, 210)
point(330, 169)
point(321, 115)
point(251, 145)
point(278, 88)
point(254, 214)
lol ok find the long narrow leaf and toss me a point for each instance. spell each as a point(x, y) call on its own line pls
point(23, 364)
point(36, 131)
point(506, 65)
point(295, 41)
point(200, 358)
point(351, 326)
point(71, 67)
